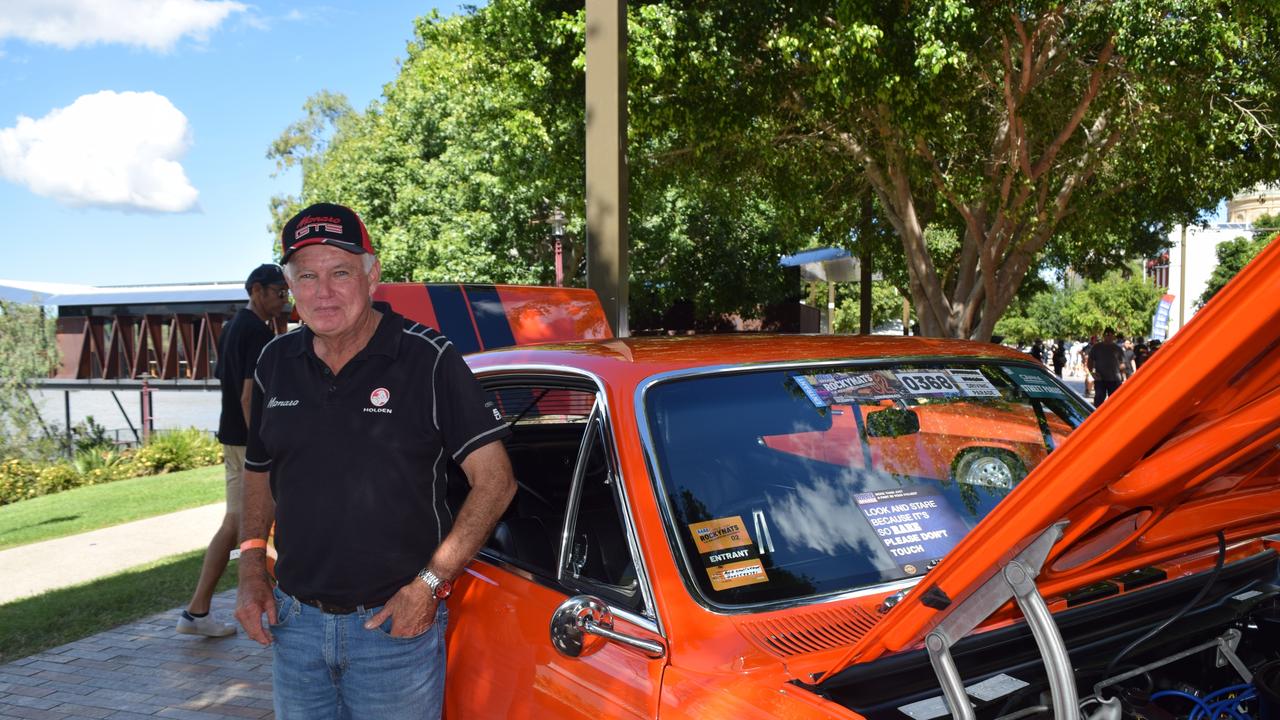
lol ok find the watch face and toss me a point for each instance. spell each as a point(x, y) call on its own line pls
point(443, 590)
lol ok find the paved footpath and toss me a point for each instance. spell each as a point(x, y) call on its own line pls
point(143, 670)
point(39, 567)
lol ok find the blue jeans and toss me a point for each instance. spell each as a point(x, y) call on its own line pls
point(328, 667)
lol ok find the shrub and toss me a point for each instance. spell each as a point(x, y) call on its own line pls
point(18, 480)
point(57, 477)
point(174, 450)
point(167, 451)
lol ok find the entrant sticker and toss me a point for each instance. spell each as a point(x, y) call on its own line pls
point(916, 524)
point(727, 552)
point(1034, 383)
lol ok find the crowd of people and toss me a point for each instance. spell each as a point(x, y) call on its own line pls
point(1104, 362)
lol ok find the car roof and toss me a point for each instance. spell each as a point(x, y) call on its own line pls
point(638, 357)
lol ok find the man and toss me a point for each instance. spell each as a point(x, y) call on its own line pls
point(356, 420)
point(1106, 362)
point(242, 340)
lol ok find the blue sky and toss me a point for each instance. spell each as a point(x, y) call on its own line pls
point(133, 133)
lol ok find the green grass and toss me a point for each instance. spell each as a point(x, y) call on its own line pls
point(99, 506)
point(60, 616)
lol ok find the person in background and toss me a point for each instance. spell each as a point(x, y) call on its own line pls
point(241, 341)
point(1059, 356)
point(1084, 362)
point(1140, 354)
point(1037, 351)
point(1106, 363)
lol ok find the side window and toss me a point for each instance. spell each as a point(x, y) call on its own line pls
point(599, 560)
point(548, 423)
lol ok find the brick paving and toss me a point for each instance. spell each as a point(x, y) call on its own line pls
point(143, 670)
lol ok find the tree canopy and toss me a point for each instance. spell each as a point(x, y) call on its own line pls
point(1067, 132)
point(1075, 127)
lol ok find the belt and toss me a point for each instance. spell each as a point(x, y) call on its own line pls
point(332, 609)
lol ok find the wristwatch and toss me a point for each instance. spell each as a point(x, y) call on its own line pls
point(440, 588)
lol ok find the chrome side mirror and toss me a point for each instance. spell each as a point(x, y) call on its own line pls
point(583, 623)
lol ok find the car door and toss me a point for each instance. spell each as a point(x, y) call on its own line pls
point(566, 537)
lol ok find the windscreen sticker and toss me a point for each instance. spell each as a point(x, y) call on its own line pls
point(725, 547)
point(973, 382)
point(1034, 383)
point(843, 388)
point(720, 534)
point(928, 382)
point(916, 524)
point(750, 572)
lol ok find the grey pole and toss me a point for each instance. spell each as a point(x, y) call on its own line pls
point(606, 191)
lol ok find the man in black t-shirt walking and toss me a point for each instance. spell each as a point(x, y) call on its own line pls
point(1106, 364)
point(241, 342)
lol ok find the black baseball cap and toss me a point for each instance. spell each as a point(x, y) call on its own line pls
point(266, 275)
point(324, 224)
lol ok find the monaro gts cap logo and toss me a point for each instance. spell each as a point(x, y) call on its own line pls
point(324, 224)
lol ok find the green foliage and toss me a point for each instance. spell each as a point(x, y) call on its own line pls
point(1126, 304)
point(886, 306)
point(1232, 255)
point(173, 450)
point(1034, 132)
point(27, 351)
point(168, 451)
point(1267, 221)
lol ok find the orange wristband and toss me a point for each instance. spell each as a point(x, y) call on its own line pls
point(254, 544)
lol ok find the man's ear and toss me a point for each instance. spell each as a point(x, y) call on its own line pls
point(375, 275)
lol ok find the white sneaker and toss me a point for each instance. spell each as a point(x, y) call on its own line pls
point(206, 626)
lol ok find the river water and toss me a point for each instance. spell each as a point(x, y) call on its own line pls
point(169, 409)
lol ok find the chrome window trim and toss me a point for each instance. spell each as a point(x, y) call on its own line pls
point(686, 565)
point(651, 619)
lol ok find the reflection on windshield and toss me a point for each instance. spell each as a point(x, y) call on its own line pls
point(788, 483)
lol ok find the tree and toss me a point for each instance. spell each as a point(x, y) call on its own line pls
point(27, 351)
point(1232, 255)
point(1026, 126)
point(1123, 303)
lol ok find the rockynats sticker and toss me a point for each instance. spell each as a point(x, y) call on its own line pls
point(725, 548)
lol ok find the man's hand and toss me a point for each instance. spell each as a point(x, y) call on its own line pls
point(253, 600)
point(412, 610)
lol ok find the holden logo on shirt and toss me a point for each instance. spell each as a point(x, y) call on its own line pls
point(378, 398)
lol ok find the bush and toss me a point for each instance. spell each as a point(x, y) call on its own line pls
point(168, 451)
point(175, 450)
point(18, 480)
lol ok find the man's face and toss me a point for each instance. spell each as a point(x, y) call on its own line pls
point(1108, 337)
point(330, 288)
point(272, 298)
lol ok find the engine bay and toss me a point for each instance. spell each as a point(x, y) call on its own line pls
point(1200, 647)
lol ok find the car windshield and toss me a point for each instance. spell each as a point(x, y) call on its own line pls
point(788, 483)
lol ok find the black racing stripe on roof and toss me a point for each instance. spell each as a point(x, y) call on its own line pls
point(491, 316)
point(455, 319)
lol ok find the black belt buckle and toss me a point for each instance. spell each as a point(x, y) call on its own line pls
point(328, 607)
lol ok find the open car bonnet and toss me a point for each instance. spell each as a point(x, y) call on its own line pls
point(1185, 449)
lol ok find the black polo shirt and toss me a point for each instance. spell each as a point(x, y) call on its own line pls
point(359, 461)
point(239, 346)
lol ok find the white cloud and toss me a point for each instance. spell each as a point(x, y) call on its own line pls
point(108, 149)
point(153, 24)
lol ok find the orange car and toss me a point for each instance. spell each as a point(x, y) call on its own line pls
point(777, 527)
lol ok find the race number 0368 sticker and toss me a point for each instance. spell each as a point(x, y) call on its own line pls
point(927, 383)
